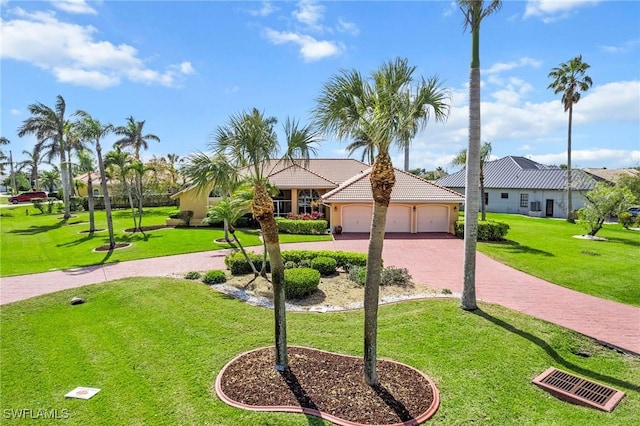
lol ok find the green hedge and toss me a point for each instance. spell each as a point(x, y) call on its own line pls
point(299, 282)
point(324, 265)
point(296, 226)
point(215, 276)
point(487, 231)
point(238, 265)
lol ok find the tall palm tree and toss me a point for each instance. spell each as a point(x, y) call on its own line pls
point(474, 12)
point(86, 165)
point(93, 130)
point(249, 141)
point(34, 159)
point(122, 161)
point(485, 154)
point(368, 148)
point(173, 160)
point(138, 168)
point(48, 124)
point(571, 81)
point(4, 162)
point(3, 156)
point(132, 136)
point(50, 178)
point(383, 110)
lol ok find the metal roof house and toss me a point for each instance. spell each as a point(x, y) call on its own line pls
point(519, 185)
point(340, 189)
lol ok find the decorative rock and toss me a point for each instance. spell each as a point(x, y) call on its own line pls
point(77, 301)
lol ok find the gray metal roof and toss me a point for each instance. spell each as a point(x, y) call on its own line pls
point(522, 173)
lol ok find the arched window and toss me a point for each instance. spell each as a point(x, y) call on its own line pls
point(96, 192)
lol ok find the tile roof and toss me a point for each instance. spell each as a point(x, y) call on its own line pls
point(296, 176)
point(408, 188)
point(612, 175)
point(522, 173)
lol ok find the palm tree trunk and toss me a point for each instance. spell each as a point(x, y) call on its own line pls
point(382, 181)
point(569, 195)
point(468, 300)
point(92, 220)
point(484, 204)
point(64, 175)
point(70, 171)
point(262, 208)
point(107, 201)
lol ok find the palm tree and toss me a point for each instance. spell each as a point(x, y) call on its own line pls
point(132, 136)
point(138, 168)
point(485, 154)
point(34, 159)
point(92, 129)
point(571, 81)
point(49, 126)
point(173, 160)
point(382, 110)
point(122, 160)
point(3, 156)
point(249, 141)
point(50, 178)
point(86, 165)
point(368, 149)
point(474, 12)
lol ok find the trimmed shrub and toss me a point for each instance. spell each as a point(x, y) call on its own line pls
point(290, 264)
point(342, 258)
point(215, 276)
point(395, 276)
point(324, 265)
point(238, 265)
point(193, 275)
point(295, 226)
point(358, 274)
point(625, 219)
point(299, 282)
point(487, 231)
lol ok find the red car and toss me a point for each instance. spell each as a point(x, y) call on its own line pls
point(27, 196)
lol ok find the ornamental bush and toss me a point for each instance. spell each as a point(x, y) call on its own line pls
point(342, 258)
point(625, 219)
point(238, 265)
point(193, 275)
point(324, 265)
point(300, 226)
point(299, 282)
point(215, 276)
point(395, 276)
point(487, 231)
point(358, 274)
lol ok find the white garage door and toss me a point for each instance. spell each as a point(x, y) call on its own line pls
point(398, 219)
point(433, 219)
point(356, 218)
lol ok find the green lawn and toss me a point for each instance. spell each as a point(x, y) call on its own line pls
point(38, 243)
point(155, 345)
point(545, 248)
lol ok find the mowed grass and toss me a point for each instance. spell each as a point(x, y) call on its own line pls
point(42, 242)
point(155, 346)
point(546, 248)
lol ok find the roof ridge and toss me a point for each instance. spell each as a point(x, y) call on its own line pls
point(347, 183)
point(426, 181)
point(305, 169)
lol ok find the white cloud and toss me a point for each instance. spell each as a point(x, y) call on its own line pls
point(347, 27)
point(266, 9)
point(310, 48)
point(15, 111)
point(624, 48)
point(617, 157)
point(310, 13)
point(74, 6)
point(231, 90)
point(70, 52)
point(618, 101)
point(553, 10)
point(499, 67)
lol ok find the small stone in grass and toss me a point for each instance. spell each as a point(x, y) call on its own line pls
point(77, 301)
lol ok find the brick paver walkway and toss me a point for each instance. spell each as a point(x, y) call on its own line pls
point(435, 260)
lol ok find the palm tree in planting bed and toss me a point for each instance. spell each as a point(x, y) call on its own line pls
point(93, 130)
point(474, 12)
point(123, 160)
point(48, 124)
point(384, 109)
point(249, 142)
point(570, 80)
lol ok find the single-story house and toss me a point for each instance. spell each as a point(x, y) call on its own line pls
point(519, 185)
point(612, 175)
point(340, 189)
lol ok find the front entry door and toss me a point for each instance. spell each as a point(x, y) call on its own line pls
point(549, 211)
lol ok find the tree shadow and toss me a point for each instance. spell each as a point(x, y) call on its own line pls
point(624, 241)
point(395, 405)
point(517, 248)
point(34, 230)
point(304, 400)
point(613, 381)
point(87, 237)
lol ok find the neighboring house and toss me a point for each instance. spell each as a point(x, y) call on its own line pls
point(340, 189)
point(612, 175)
point(81, 184)
point(519, 185)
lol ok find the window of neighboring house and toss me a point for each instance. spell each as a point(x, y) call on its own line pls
point(282, 203)
point(306, 200)
point(524, 200)
point(504, 195)
point(96, 192)
point(486, 198)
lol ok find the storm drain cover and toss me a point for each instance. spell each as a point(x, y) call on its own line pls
point(581, 391)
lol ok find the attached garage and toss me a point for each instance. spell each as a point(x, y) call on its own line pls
point(356, 218)
point(398, 219)
point(433, 218)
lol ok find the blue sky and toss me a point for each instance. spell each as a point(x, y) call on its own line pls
point(185, 67)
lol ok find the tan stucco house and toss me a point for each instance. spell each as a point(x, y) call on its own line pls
point(340, 189)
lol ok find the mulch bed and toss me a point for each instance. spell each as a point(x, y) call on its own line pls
point(107, 248)
point(149, 228)
point(329, 383)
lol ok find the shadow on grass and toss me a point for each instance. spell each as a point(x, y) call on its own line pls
point(517, 248)
point(625, 241)
point(613, 381)
point(34, 230)
point(87, 237)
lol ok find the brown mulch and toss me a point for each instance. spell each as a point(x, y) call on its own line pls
point(107, 248)
point(330, 383)
point(148, 228)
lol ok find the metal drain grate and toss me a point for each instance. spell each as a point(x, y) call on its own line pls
point(578, 390)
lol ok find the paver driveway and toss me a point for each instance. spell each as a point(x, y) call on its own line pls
point(433, 259)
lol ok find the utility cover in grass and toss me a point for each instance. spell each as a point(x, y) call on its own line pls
point(82, 393)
